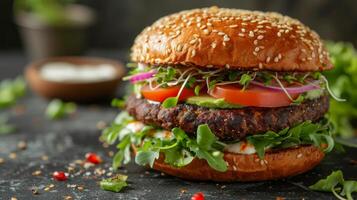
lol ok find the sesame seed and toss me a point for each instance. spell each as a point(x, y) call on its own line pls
point(260, 65)
point(260, 37)
point(243, 30)
point(193, 53)
point(256, 49)
point(299, 155)
point(241, 34)
point(193, 41)
point(279, 56)
point(226, 38)
point(179, 47)
point(255, 42)
point(221, 33)
point(268, 59)
point(251, 34)
point(227, 66)
point(276, 59)
point(233, 26)
point(279, 34)
point(213, 45)
point(206, 31)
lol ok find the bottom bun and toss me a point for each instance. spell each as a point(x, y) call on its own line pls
point(277, 164)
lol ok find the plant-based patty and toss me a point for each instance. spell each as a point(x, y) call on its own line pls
point(227, 124)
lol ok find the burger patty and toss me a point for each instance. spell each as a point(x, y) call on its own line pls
point(227, 124)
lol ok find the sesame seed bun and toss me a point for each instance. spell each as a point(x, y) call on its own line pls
point(231, 38)
point(277, 164)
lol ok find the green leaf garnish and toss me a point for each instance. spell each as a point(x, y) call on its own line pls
point(119, 103)
point(57, 109)
point(114, 184)
point(11, 91)
point(335, 183)
point(304, 133)
point(170, 102)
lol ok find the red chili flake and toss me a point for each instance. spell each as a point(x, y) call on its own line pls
point(198, 196)
point(93, 158)
point(60, 176)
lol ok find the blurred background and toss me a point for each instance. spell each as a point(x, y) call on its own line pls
point(118, 22)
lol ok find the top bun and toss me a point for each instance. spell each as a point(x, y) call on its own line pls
point(231, 38)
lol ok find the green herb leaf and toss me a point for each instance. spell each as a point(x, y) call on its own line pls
point(329, 183)
point(170, 102)
point(334, 183)
point(348, 188)
point(214, 159)
point(114, 184)
point(305, 133)
point(205, 137)
point(11, 91)
point(146, 157)
point(57, 109)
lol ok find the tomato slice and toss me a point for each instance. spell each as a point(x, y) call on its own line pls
point(160, 94)
point(252, 96)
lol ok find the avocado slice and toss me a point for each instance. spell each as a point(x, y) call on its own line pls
point(210, 102)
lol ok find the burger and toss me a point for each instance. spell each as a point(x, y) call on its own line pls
point(225, 95)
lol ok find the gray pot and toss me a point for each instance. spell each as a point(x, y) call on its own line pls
point(43, 40)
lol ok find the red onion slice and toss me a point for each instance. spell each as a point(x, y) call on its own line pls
point(292, 90)
point(140, 76)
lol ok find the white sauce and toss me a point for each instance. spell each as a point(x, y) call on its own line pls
point(67, 72)
point(240, 148)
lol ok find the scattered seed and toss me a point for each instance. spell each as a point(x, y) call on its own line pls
point(22, 145)
point(37, 173)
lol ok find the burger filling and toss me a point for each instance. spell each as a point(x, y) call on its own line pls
point(187, 112)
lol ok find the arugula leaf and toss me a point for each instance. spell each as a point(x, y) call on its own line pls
point(329, 183)
point(114, 184)
point(348, 188)
point(214, 159)
point(146, 157)
point(57, 109)
point(334, 183)
point(304, 133)
point(205, 137)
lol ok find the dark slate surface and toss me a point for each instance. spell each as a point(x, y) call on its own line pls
point(67, 140)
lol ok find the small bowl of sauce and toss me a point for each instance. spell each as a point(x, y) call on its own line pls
point(79, 79)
